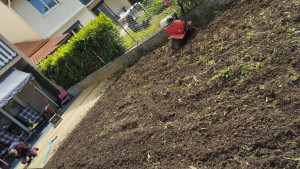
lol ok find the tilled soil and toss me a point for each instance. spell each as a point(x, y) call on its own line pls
point(228, 99)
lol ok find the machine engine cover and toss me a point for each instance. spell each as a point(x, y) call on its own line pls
point(177, 27)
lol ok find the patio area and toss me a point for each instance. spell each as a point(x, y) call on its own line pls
point(74, 112)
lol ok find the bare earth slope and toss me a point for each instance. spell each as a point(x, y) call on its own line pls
point(228, 99)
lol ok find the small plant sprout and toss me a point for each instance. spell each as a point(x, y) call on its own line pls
point(166, 93)
point(291, 31)
point(261, 87)
point(179, 100)
point(195, 80)
point(211, 62)
point(150, 115)
point(295, 159)
point(246, 69)
point(225, 73)
point(149, 159)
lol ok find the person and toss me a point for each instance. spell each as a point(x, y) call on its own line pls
point(21, 151)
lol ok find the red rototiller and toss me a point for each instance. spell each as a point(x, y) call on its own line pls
point(178, 29)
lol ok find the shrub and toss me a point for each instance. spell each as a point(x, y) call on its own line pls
point(87, 51)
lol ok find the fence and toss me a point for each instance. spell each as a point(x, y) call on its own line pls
point(100, 42)
point(142, 20)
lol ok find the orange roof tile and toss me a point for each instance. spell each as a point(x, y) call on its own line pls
point(39, 50)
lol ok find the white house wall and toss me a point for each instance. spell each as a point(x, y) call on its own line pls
point(49, 25)
point(114, 5)
point(84, 17)
point(117, 5)
point(14, 28)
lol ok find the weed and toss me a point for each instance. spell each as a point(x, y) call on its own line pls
point(195, 80)
point(261, 87)
point(211, 62)
point(149, 159)
point(150, 115)
point(246, 69)
point(200, 60)
point(295, 159)
point(291, 31)
point(166, 93)
point(179, 101)
point(225, 73)
point(164, 140)
point(129, 94)
point(178, 81)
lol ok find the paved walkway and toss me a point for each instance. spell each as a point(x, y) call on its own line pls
point(74, 114)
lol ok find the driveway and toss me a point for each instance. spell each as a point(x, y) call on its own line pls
point(74, 114)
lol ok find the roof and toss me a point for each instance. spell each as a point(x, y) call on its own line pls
point(40, 49)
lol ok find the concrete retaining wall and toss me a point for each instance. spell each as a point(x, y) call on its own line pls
point(153, 42)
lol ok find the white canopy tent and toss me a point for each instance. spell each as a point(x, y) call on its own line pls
point(13, 83)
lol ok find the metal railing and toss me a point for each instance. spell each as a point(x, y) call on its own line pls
point(143, 19)
point(6, 54)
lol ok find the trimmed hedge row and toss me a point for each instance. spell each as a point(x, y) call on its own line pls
point(87, 51)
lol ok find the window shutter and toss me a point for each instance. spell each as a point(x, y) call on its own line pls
point(85, 2)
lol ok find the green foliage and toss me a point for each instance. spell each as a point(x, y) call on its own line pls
point(156, 11)
point(87, 51)
point(295, 159)
point(246, 68)
point(146, 33)
point(224, 73)
point(155, 7)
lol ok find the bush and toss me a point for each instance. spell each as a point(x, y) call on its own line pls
point(87, 51)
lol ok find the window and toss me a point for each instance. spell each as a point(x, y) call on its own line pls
point(103, 8)
point(44, 6)
point(85, 2)
point(75, 28)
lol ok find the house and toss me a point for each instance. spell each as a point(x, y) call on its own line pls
point(38, 50)
point(33, 20)
point(25, 103)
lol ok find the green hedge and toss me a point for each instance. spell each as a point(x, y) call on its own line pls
point(87, 51)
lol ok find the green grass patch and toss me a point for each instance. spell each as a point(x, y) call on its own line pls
point(146, 33)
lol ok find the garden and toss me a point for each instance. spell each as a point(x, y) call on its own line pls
point(229, 98)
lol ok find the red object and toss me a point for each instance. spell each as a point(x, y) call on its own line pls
point(43, 101)
point(64, 96)
point(5, 167)
point(168, 3)
point(34, 150)
point(21, 146)
point(177, 29)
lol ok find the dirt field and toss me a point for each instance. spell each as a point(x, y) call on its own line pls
point(228, 99)
point(70, 119)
